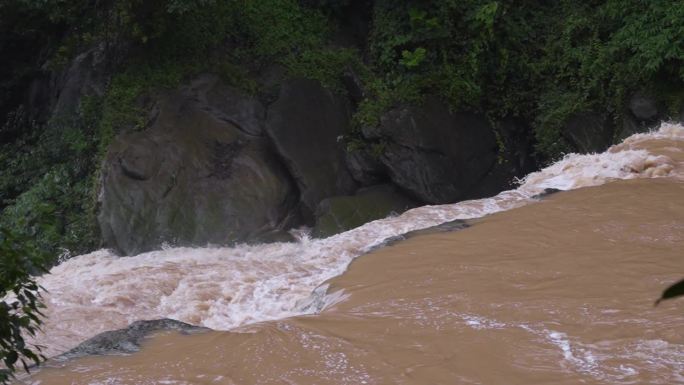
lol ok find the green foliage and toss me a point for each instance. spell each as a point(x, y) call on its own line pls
point(20, 312)
point(412, 59)
point(122, 107)
point(325, 65)
point(49, 191)
point(281, 27)
point(602, 54)
point(286, 33)
point(539, 61)
point(46, 191)
point(49, 196)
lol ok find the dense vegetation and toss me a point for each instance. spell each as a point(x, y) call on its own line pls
point(537, 61)
point(20, 313)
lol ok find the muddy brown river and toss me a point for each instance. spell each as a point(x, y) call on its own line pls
point(554, 291)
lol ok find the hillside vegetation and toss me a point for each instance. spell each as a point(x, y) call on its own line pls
point(540, 62)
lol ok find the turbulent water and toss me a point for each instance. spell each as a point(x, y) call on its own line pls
point(555, 292)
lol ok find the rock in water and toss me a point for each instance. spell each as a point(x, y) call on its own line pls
point(126, 340)
point(337, 214)
point(202, 173)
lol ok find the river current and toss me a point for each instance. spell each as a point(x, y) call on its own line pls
point(554, 290)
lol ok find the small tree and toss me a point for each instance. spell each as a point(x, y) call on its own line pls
point(20, 307)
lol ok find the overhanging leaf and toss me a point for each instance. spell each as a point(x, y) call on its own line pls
point(673, 291)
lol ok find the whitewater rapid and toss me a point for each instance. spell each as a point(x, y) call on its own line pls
point(226, 287)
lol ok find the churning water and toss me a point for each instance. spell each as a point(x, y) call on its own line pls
point(516, 298)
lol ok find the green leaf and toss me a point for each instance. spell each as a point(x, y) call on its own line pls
point(676, 290)
point(11, 358)
point(412, 59)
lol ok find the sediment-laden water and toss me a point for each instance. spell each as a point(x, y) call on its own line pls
point(553, 291)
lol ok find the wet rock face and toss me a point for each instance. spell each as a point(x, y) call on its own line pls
point(127, 340)
point(365, 167)
point(589, 132)
point(643, 107)
point(306, 124)
point(58, 93)
point(202, 173)
point(436, 155)
point(216, 166)
point(85, 76)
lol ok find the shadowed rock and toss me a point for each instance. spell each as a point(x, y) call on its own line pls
point(365, 167)
point(306, 124)
point(436, 155)
point(202, 173)
point(589, 132)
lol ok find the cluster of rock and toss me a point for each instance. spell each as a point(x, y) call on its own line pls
point(216, 166)
point(592, 132)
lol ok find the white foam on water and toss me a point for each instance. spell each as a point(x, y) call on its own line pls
point(604, 363)
point(600, 362)
point(583, 359)
point(482, 323)
point(226, 287)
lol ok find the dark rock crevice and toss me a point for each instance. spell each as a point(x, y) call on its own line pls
point(305, 124)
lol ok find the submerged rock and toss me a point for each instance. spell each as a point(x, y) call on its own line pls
point(201, 174)
point(127, 340)
point(337, 214)
point(445, 227)
point(547, 192)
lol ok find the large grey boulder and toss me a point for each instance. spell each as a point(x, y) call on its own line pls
point(341, 213)
point(306, 124)
point(436, 155)
point(202, 173)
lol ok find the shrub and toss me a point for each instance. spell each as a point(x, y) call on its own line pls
point(20, 313)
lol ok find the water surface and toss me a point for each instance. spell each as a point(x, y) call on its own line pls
point(553, 291)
